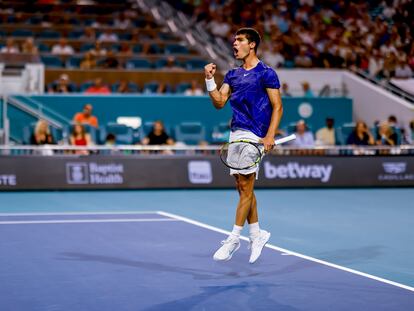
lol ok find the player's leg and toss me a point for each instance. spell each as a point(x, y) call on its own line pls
point(244, 185)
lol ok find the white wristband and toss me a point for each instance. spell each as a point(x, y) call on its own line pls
point(211, 84)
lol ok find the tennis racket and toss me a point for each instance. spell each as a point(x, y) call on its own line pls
point(244, 154)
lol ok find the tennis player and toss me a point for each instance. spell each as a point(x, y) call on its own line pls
point(253, 91)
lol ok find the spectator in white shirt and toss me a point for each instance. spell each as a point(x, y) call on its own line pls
point(402, 70)
point(304, 138)
point(194, 89)
point(326, 135)
point(272, 56)
point(219, 27)
point(62, 48)
point(108, 36)
point(10, 47)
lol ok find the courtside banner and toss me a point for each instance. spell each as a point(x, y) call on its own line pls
point(198, 171)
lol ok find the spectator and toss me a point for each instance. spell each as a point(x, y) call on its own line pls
point(29, 47)
point(171, 65)
point(273, 56)
point(89, 35)
point(194, 90)
point(158, 136)
point(98, 88)
point(303, 60)
point(110, 61)
point(326, 135)
point(108, 36)
point(360, 136)
point(123, 87)
point(88, 62)
point(411, 134)
point(62, 86)
point(122, 21)
point(86, 117)
point(376, 64)
point(218, 26)
point(403, 70)
point(304, 137)
point(79, 137)
point(42, 134)
point(98, 50)
point(307, 92)
point(285, 90)
point(62, 48)
point(386, 135)
point(392, 121)
point(10, 47)
point(125, 49)
point(110, 140)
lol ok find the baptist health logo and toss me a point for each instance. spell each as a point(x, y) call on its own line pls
point(395, 171)
point(82, 173)
point(200, 172)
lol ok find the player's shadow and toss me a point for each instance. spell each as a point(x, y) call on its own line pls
point(153, 266)
point(240, 296)
point(234, 271)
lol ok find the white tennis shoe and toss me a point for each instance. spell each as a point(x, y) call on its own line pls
point(257, 243)
point(226, 251)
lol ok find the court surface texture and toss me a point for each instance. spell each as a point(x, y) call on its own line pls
point(337, 249)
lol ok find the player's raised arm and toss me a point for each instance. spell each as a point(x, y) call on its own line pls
point(219, 97)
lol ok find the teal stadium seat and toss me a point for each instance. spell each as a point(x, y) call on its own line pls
point(176, 49)
point(124, 134)
point(133, 87)
point(49, 34)
point(52, 61)
point(195, 64)
point(190, 133)
point(138, 63)
point(181, 87)
point(22, 33)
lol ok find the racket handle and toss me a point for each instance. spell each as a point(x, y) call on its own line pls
point(285, 139)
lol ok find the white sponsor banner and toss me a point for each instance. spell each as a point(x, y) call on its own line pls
point(83, 173)
point(200, 172)
point(295, 170)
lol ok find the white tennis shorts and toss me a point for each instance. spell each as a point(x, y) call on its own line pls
point(241, 134)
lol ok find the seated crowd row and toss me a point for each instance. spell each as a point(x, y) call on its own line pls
point(386, 133)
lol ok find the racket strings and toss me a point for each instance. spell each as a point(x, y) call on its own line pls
point(240, 155)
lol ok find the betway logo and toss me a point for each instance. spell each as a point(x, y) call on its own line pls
point(295, 170)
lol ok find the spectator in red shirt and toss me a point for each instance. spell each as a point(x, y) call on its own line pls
point(98, 88)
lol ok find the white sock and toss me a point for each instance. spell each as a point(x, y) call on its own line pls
point(254, 229)
point(236, 231)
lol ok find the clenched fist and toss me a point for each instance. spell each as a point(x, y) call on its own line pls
point(210, 70)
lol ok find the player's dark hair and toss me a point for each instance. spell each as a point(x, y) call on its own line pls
point(251, 35)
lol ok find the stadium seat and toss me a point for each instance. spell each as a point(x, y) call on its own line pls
point(150, 87)
point(190, 133)
point(22, 33)
point(133, 87)
point(34, 20)
point(85, 85)
point(74, 61)
point(181, 87)
point(346, 130)
point(195, 64)
point(43, 48)
point(137, 48)
point(123, 133)
point(75, 34)
point(176, 49)
point(86, 47)
point(138, 63)
point(52, 61)
point(49, 34)
point(155, 49)
point(124, 36)
point(221, 133)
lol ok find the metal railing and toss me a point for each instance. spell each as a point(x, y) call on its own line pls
point(183, 150)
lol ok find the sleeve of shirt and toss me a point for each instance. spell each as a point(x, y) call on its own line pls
point(270, 79)
point(227, 78)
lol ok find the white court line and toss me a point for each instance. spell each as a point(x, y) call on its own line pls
point(74, 221)
point(77, 213)
point(288, 252)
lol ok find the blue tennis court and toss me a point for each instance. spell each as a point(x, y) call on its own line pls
point(105, 251)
